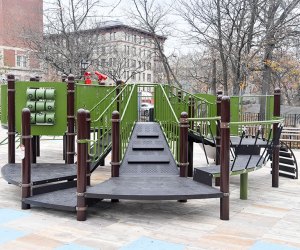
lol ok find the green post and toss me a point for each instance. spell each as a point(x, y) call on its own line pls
point(244, 186)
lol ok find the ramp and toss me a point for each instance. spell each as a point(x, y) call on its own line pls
point(149, 172)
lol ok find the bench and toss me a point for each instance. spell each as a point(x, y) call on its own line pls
point(290, 136)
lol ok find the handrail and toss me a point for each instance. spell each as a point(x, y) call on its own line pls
point(257, 122)
point(169, 103)
point(213, 118)
point(104, 98)
point(112, 102)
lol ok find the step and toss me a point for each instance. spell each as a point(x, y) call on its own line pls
point(287, 168)
point(285, 154)
point(147, 146)
point(150, 159)
point(285, 160)
point(287, 175)
point(148, 135)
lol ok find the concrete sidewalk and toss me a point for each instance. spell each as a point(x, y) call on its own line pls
point(269, 219)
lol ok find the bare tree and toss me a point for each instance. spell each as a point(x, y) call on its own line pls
point(69, 35)
point(151, 16)
point(117, 65)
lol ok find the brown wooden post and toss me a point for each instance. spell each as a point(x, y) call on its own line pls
point(225, 158)
point(183, 144)
point(26, 161)
point(115, 150)
point(190, 141)
point(88, 136)
point(82, 157)
point(71, 121)
point(276, 144)
point(218, 137)
point(35, 139)
point(11, 118)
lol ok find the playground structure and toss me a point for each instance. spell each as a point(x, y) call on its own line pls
point(150, 160)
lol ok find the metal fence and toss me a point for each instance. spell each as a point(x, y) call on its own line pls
point(290, 120)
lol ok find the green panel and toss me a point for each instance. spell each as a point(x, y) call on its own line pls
point(87, 96)
point(211, 99)
point(59, 124)
point(4, 104)
point(234, 114)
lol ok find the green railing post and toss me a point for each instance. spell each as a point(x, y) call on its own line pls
point(191, 143)
point(88, 137)
point(26, 161)
point(276, 144)
point(82, 157)
point(218, 136)
point(225, 159)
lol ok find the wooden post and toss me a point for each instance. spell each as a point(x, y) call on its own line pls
point(225, 159)
point(71, 121)
point(183, 144)
point(11, 118)
point(26, 161)
point(82, 158)
point(218, 136)
point(88, 136)
point(35, 139)
point(276, 144)
point(190, 141)
point(115, 150)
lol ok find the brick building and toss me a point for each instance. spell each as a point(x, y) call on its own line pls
point(17, 19)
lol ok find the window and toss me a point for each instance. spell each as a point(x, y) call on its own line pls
point(22, 61)
point(144, 77)
point(133, 64)
point(134, 38)
point(133, 76)
point(148, 66)
point(110, 62)
point(125, 49)
point(128, 52)
point(103, 50)
point(139, 63)
point(139, 76)
point(133, 51)
point(148, 77)
point(140, 54)
point(144, 65)
point(128, 63)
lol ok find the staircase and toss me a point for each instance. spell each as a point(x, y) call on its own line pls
point(288, 166)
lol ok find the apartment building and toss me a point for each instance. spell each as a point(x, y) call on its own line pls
point(16, 19)
point(127, 53)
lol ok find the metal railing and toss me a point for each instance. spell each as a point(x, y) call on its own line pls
point(100, 138)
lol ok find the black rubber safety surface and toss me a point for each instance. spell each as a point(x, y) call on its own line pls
point(40, 173)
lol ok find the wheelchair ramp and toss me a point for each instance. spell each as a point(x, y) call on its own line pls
point(149, 172)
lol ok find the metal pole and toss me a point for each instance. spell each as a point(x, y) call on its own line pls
point(26, 161)
point(115, 151)
point(225, 159)
point(218, 137)
point(276, 144)
point(88, 136)
point(183, 144)
point(11, 118)
point(119, 83)
point(71, 121)
point(81, 164)
point(190, 141)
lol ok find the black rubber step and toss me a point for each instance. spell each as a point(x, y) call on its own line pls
point(285, 154)
point(284, 149)
point(147, 147)
point(287, 168)
point(144, 159)
point(287, 175)
point(285, 160)
point(150, 135)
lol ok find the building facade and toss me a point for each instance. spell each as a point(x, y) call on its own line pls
point(127, 53)
point(18, 18)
